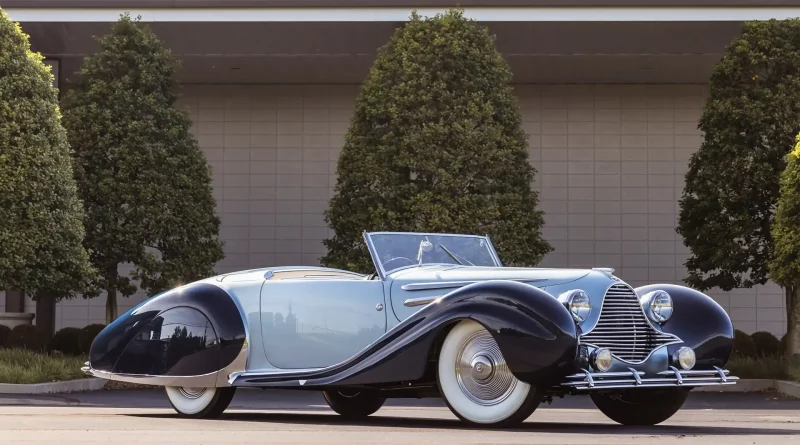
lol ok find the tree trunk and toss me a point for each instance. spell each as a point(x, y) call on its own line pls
point(46, 316)
point(793, 324)
point(111, 305)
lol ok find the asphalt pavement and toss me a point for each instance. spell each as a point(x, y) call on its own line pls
point(294, 417)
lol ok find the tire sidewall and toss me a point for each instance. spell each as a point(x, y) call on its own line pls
point(190, 407)
point(458, 402)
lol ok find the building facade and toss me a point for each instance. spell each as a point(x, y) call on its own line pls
point(610, 96)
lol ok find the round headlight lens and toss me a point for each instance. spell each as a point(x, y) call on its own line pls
point(660, 306)
point(685, 357)
point(579, 306)
point(602, 360)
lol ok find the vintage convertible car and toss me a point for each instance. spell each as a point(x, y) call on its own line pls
point(439, 317)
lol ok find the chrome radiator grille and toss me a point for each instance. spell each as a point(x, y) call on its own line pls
point(623, 327)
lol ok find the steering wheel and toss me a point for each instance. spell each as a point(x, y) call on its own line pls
point(410, 262)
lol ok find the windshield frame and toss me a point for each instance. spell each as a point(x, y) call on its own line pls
point(382, 273)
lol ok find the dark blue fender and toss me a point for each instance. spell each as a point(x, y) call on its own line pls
point(192, 330)
point(700, 322)
point(535, 333)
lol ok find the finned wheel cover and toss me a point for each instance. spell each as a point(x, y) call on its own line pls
point(481, 371)
point(192, 393)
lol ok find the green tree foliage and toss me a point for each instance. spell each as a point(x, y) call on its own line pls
point(145, 182)
point(41, 230)
point(732, 186)
point(785, 264)
point(436, 144)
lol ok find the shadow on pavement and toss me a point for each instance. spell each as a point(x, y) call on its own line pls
point(454, 424)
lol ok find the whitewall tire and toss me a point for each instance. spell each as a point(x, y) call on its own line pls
point(476, 383)
point(199, 402)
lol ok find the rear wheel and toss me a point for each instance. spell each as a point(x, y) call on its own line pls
point(476, 383)
point(353, 404)
point(200, 403)
point(641, 406)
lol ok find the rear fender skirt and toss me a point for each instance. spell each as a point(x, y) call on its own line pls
point(535, 333)
point(200, 331)
point(700, 322)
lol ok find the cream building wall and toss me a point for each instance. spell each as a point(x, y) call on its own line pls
point(610, 161)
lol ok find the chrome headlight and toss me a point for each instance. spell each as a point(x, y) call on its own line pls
point(578, 304)
point(657, 305)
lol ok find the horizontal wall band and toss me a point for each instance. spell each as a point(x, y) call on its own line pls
point(513, 14)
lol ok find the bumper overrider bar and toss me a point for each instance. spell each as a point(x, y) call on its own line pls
point(587, 381)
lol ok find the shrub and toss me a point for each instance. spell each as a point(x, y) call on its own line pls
point(767, 367)
point(743, 344)
point(22, 366)
point(69, 341)
point(794, 372)
point(436, 144)
point(26, 336)
point(89, 334)
point(766, 344)
point(4, 332)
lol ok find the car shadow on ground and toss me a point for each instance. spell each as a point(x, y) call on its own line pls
point(455, 424)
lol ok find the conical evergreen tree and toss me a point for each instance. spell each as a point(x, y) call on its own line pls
point(436, 144)
point(144, 180)
point(41, 228)
point(785, 264)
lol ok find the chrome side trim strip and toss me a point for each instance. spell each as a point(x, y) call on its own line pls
point(196, 381)
point(411, 287)
point(422, 301)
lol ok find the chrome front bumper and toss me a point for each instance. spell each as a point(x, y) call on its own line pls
point(587, 381)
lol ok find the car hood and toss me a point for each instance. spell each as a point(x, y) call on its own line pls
point(539, 277)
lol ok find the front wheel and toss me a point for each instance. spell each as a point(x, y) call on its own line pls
point(353, 404)
point(642, 406)
point(200, 403)
point(476, 383)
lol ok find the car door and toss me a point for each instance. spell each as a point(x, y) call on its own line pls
point(315, 323)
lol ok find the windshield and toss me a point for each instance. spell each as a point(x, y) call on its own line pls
point(391, 251)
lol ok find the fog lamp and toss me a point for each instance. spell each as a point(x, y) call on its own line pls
point(601, 359)
point(685, 357)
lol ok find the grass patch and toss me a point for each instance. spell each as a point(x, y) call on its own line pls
point(794, 373)
point(24, 366)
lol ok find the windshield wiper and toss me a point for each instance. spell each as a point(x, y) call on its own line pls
point(453, 256)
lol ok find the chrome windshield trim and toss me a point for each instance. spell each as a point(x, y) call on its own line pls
point(382, 273)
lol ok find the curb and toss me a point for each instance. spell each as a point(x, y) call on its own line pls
point(54, 387)
point(791, 389)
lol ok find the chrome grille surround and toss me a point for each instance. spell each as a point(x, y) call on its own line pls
point(624, 328)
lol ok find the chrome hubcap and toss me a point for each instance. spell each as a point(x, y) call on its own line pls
point(192, 393)
point(482, 367)
point(481, 371)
